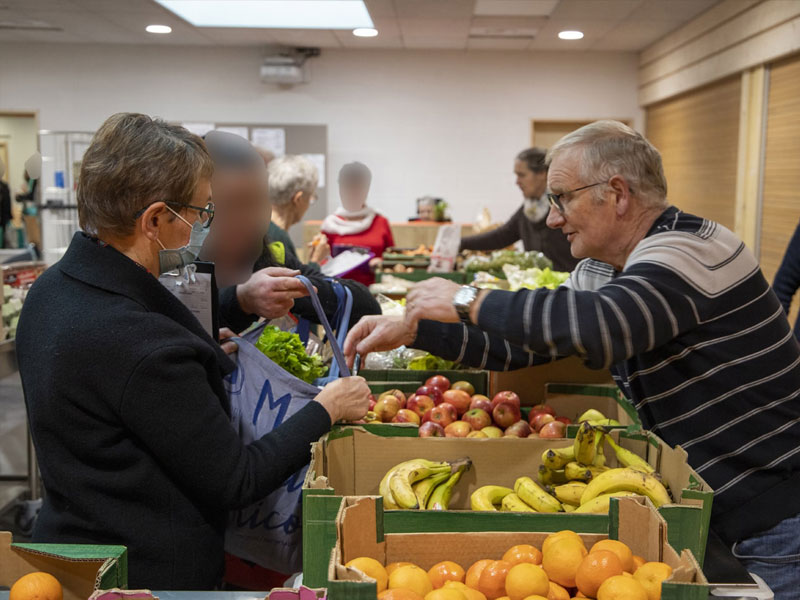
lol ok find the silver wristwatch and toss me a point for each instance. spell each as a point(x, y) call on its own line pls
point(462, 301)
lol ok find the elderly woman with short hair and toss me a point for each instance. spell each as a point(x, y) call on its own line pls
point(124, 387)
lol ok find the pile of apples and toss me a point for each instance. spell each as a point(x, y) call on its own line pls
point(444, 410)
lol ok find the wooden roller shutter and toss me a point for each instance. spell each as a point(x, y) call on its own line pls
point(780, 207)
point(697, 134)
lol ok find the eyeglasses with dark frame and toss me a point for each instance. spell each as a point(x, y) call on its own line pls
point(206, 213)
point(555, 199)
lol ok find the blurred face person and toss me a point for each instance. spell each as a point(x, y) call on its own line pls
point(532, 184)
point(426, 212)
point(354, 182)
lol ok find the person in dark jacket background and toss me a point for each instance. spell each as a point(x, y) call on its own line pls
point(529, 222)
point(123, 386)
point(787, 279)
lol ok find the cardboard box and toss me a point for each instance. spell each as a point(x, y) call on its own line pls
point(81, 569)
point(530, 382)
point(362, 532)
point(573, 399)
point(352, 462)
point(408, 380)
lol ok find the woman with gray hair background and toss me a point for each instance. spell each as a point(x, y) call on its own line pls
point(292, 190)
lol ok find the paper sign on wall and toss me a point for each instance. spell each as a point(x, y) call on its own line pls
point(198, 128)
point(318, 160)
point(240, 131)
point(445, 250)
point(270, 138)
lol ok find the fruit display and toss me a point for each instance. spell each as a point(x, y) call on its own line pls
point(36, 586)
point(564, 568)
point(421, 484)
point(575, 478)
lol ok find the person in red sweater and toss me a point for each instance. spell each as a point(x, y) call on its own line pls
point(354, 224)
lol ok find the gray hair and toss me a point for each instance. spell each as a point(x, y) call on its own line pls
point(612, 148)
point(288, 175)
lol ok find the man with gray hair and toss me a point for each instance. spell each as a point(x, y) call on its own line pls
point(677, 307)
point(292, 190)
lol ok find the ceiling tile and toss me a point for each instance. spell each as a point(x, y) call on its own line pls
point(511, 8)
point(680, 11)
point(434, 27)
point(589, 10)
point(632, 36)
point(434, 43)
point(497, 43)
point(322, 38)
point(380, 8)
point(423, 9)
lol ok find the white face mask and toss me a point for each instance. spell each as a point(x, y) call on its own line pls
point(170, 259)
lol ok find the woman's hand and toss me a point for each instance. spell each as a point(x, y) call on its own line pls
point(345, 399)
point(319, 248)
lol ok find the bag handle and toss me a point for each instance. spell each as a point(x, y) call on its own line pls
point(338, 355)
point(342, 318)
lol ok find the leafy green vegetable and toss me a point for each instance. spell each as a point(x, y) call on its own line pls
point(533, 278)
point(429, 362)
point(286, 350)
point(494, 263)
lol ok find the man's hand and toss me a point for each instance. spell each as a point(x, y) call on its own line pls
point(376, 334)
point(270, 292)
point(345, 399)
point(432, 299)
point(227, 347)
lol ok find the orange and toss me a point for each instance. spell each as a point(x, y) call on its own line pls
point(523, 553)
point(474, 573)
point(445, 594)
point(557, 592)
point(445, 571)
point(525, 580)
point(621, 588)
point(36, 586)
point(621, 550)
point(371, 568)
point(638, 561)
point(493, 579)
point(399, 594)
point(410, 577)
point(561, 560)
point(595, 569)
point(467, 591)
point(650, 575)
point(554, 537)
point(392, 566)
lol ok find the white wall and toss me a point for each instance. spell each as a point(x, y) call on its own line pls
point(21, 137)
point(439, 122)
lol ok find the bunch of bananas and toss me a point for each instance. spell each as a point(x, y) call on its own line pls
point(576, 479)
point(421, 484)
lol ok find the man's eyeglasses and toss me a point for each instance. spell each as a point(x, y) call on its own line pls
point(206, 213)
point(555, 199)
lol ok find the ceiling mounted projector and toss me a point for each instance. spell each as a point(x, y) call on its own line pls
point(287, 66)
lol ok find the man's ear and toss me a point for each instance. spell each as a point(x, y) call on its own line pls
point(622, 194)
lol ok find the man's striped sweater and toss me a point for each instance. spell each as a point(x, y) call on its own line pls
point(694, 337)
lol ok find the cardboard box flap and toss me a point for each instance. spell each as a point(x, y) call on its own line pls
point(637, 522)
point(359, 528)
point(315, 474)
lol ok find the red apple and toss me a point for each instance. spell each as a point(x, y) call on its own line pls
point(397, 394)
point(520, 429)
point(482, 402)
point(492, 431)
point(505, 414)
point(564, 420)
point(509, 397)
point(544, 408)
point(440, 382)
point(477, 418)
point(542, 419)
point(420, 404)
point(477, 434)
point(431, 429)
point(554, 429)
point(463, 385)
point(433, 392)
point(458, 429)
point(386, 408)
point(372, 402)
point(443, 414)
point(405, 415)
point(458, 398)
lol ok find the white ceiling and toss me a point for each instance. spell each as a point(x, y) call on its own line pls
point(608, 25)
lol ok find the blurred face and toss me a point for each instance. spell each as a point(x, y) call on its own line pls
point(353, 194)
point(530, 183)
point(242, 217)
point(592, 228)
point(425, 212)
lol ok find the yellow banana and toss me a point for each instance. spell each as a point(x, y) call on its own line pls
point(513, 503)
point(604, 422)
point(556, 458)
point(534, 496)
point(625, 479)
point(569, 493)
point(488, 497)
point(551, 477)
point(440, 497)
point(600, 504)
point(408, 473)
point(591, 415)
point(388, 500)
point(584, 444)
point(568, 508)
point(586, 473)
point(630, 459)
point(599, 449)
point(424, 488)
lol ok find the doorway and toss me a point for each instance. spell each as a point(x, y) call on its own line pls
point(545, 133)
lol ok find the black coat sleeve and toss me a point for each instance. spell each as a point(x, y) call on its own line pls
point(231, 314)
point(503, 236)
point(787, 279)
point(169, 406)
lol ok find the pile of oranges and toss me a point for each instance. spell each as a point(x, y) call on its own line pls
point(562, 570)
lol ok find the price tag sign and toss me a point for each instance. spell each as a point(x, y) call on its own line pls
point(445, 250)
